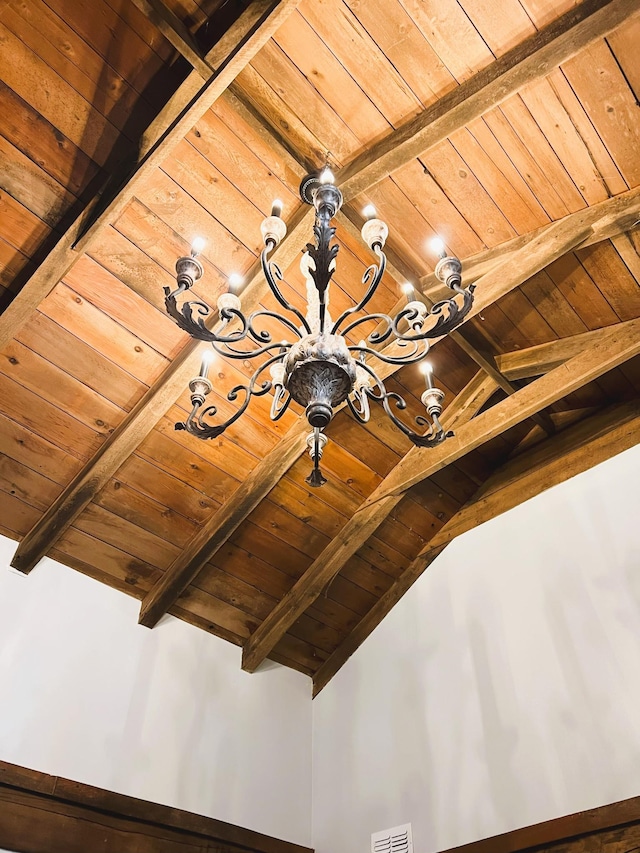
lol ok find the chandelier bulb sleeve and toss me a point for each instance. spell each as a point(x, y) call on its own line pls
point(374, 233)
point(273, 230)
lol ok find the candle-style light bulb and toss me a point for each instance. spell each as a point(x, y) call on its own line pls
point(369, 212)
point(235, 280)
point(427, 371)
point(327, 176)
point(276, 207)
point(407, 289)
point(197, 246)
point(438, 248)
point(205, 364)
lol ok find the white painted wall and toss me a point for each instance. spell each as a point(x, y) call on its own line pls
point(504, 689)
point(166, 715)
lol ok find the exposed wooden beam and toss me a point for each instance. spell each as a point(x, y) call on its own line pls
point(176, 34)
point(553, 461)
point(620, 343)
point(531, 60)
point(536, 360)
point(356, 531)
point(230, 55)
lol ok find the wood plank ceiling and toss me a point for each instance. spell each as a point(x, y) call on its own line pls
point(509, 127)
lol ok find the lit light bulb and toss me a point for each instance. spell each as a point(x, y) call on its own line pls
point(407, 289)
point(197, 246)
point(369, 212)
point(327, 176)
point(438, 248)
point(235, 280)
point(427, 371)
point(205, 364)
point(276, 207)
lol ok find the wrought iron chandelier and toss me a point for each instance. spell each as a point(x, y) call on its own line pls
point(320, 370)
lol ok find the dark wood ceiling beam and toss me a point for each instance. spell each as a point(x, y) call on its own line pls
point(617, 345)
point(355, 532)
point(176, 34)
point(555, 460)
point(230, 55)
point(539, 359)
point(531, 60)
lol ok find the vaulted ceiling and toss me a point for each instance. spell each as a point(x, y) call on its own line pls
point(509, 127)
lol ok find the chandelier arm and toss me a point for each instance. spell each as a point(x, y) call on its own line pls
point(264, 336)
point(373, 337)
point(273, 274)
point(195, 423)
point(359, 406)
point(447, 313)
point(278, 408)
point(183, 317)
point(373, 272)
point(226, 350)
point(436, 434)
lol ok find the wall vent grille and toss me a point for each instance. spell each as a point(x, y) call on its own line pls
point(396, 840)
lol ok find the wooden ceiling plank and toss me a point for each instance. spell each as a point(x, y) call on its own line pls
point(568, 453)
point(529, 61)
point(230, 55)
point(354, 534)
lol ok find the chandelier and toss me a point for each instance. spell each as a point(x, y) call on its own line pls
point(317, 366)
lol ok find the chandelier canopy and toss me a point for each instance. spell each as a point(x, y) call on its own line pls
point(319, 368)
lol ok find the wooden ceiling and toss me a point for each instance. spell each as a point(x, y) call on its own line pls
point(509, 127)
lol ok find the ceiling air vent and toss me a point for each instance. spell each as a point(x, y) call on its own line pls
point(396, 840)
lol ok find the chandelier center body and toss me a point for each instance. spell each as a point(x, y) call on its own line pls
point(319, 374)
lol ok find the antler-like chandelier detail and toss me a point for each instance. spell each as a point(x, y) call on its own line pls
point(320, 369)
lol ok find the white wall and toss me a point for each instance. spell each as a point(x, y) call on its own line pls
point(504, 689)
point(166, 715)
